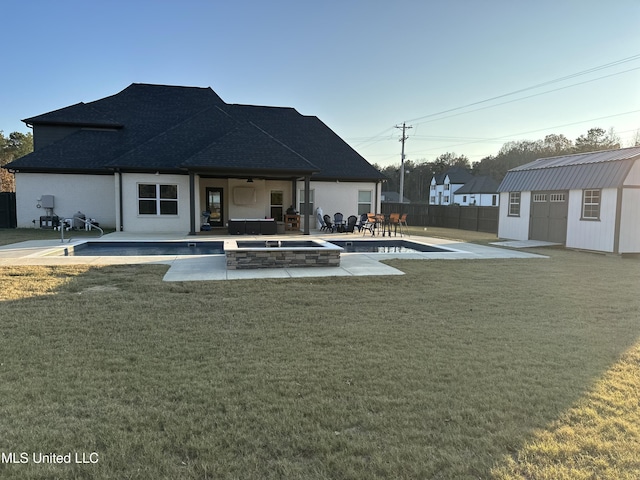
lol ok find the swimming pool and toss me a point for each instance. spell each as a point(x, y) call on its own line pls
point(128, 249)
point(385, 246)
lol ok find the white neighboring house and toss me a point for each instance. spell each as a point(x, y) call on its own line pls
point(587, 201)
point(153, 158)
point(480, 191)
point(444, 185)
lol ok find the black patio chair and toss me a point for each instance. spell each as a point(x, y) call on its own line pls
point(323, 226)
point(328, 224)
point(351, 224)
point(338, 222)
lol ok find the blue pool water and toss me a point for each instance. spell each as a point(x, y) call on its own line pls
point(385, 246)
point(126, 249)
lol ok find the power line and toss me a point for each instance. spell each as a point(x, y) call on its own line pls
point(538, 130)
point(530, 96)
point(549, 82)
point(378, 138)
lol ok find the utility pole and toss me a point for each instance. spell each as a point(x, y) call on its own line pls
point(404, 137)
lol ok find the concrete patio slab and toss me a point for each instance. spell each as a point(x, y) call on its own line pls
point(213, 267)
point(525, 244)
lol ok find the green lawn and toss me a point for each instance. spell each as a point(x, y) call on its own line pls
point(459, 369)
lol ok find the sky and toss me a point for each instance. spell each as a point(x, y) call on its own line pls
point(446, 68)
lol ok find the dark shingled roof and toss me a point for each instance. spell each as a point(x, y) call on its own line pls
point(602, 169)
point(171, 128)
point(479, 184)
point(456, 175)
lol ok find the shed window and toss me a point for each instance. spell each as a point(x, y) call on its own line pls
point(540, 197)
point(557, 197)
point(591, 205)
point(157, 199)
point(514, 204)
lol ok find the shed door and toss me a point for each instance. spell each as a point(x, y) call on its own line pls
point(548, 220)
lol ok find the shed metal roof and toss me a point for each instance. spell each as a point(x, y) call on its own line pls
point(604, 169)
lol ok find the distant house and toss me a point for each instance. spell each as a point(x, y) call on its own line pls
point(393, 197)
point(587, 201)
point(445, 184)
point(153, 158)
point(481, 191)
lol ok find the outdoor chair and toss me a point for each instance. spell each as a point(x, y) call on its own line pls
point(403, 223)
point(394, 220)
point(327, 223)
point(338, 222)
point(362, 221)
point(351, 224)
point(370, 225)
point(323, 226)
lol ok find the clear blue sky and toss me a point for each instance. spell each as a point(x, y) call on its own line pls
point(361, 66)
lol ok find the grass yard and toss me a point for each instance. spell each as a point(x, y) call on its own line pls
point(492, 369)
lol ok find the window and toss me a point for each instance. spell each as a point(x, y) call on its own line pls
point(591, 204)
point(301, 207)
point(364, 201)
point(464, 199)
point(277, 202)
point(446, 187)
point(514, 204)
point(446, 199)
point(494, 200)
point(556, 197)
point(432, 200)
point(540, 197)
point(157, 199)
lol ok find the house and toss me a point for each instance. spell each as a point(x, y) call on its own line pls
point(445, 184)
point(481, 191)
point(393, 197)
point(586, 201)
point(157, 158)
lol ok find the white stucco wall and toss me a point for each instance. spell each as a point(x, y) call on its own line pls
point(134, 222)
point(341, 197)
point(597, 235)
point(93, 195)
point(514, 228)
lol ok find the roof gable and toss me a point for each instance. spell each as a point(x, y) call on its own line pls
point(601, 169)
point(456, 175)
point(171, 128)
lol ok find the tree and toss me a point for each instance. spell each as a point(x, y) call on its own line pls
point(14, 146)
point(450, 159)
point(555, 145)
point(597, 139)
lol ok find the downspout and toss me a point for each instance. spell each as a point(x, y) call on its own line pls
point(294, 192)
point(120, 208)
point(307, 204)
point(192, 203)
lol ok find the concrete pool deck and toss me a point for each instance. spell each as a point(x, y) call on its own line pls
point(213, 267)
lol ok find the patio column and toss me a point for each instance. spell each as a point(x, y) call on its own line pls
point(307, 204)
point(192, 203)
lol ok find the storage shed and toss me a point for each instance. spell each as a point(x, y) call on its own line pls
point(588, 201)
